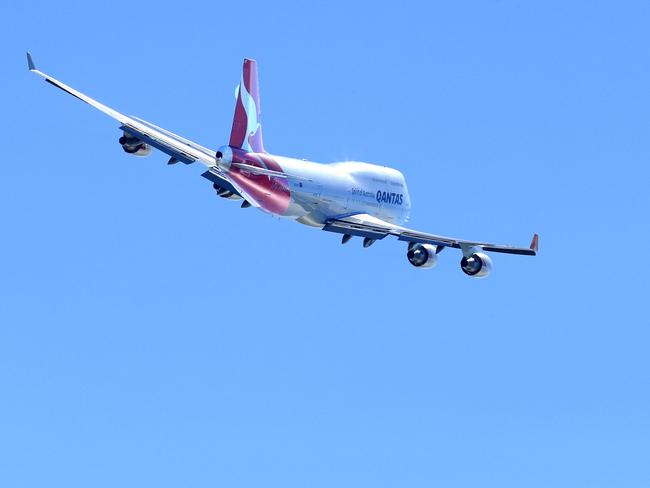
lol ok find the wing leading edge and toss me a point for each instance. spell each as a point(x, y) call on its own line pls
point(364, 225)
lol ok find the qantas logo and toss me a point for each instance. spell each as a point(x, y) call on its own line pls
point(387, 197)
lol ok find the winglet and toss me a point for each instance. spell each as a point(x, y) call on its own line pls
point(534, 244)
point(30, 62)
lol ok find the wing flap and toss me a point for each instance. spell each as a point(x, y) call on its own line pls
point(427, 239)
point(343, 227)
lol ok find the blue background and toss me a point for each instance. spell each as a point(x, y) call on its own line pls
point(153, 334)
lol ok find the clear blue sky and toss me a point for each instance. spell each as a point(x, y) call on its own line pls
point(153, 334)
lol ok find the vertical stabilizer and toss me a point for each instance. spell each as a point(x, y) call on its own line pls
point(246, 130)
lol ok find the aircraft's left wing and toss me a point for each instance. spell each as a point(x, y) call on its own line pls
point(167, 142)
point(175, 146)
point(364, 225)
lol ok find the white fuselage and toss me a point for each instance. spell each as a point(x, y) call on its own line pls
point(320, 192)
point(313, 193)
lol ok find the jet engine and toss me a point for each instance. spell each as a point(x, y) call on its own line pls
point(478, 265)
point(225, 193)
point(422, 255)
point(133, 145)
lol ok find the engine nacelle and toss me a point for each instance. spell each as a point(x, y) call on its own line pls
point(225, 193)
point(422, 255)
point(478, 265)
point(133, 145)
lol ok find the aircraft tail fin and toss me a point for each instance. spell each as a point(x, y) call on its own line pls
point(246, 130)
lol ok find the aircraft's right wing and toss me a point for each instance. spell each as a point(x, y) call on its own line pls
point(364, 225)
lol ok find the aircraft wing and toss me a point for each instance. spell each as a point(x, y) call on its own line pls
point(178, 148)
point(364, 225)
point(167, 142)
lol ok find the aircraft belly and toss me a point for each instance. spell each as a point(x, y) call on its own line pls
point(313, 208)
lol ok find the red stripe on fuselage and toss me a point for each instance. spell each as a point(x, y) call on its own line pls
point(270, 192)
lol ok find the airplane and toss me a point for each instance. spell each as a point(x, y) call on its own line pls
point(349, 198)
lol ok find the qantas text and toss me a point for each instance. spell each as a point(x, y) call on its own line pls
point(392, 198)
